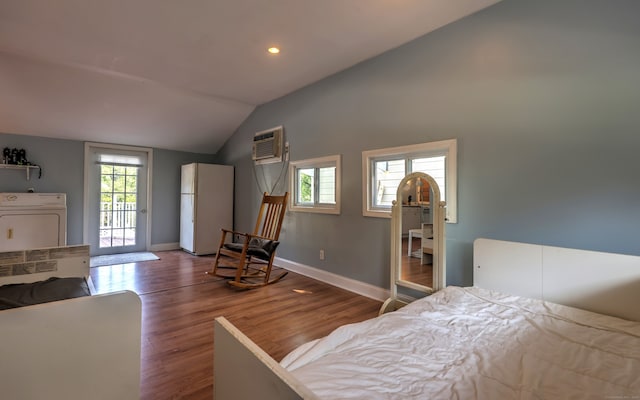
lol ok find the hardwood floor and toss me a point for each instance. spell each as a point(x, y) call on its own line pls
point(412, 269)
point(180, 302)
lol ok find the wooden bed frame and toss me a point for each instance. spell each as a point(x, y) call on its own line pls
point(87, 347)
point(601, 282)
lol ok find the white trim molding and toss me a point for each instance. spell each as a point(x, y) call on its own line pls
point(352, 285)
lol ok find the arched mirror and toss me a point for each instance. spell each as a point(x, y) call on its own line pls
point(417, 240)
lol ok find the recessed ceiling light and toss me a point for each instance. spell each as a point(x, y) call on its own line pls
point(273, 50)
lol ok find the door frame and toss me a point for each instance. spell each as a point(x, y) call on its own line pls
point(87, 171)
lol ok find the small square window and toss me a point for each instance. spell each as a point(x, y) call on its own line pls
point(315, 185)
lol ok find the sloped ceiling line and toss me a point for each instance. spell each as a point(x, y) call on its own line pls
point(184, 75)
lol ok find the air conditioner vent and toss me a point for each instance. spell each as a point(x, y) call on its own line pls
point(267, 146)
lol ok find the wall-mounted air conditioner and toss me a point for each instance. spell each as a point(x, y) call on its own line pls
point(267, 146)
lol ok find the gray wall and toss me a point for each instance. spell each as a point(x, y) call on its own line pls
point(543, 99)
point(63, 172)
point(166, 192)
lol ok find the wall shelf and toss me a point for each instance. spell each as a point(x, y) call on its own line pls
point(27, 168)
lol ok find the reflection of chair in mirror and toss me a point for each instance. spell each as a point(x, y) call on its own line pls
point(425, 250)
point(413, 233)
point(252, 258)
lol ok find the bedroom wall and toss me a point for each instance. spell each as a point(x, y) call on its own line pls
point(542, 97)
point(63, 172)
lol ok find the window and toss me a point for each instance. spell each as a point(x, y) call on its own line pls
point(315, 185)
point(383, 169)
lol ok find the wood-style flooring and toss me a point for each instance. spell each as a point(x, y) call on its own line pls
point(180, 302)
point(412, 269)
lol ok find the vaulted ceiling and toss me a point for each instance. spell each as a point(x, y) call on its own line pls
point(183, 75)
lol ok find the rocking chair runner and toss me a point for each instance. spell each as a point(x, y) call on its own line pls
point(253, 256)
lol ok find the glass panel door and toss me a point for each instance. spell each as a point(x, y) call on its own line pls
point(116, 203)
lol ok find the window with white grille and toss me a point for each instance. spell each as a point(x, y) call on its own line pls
point(383, 169)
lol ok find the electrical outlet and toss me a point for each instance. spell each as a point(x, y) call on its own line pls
point(322, 254)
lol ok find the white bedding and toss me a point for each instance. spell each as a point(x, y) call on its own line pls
point(467, 343)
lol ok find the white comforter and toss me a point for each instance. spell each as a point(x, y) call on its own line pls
point(468, 343)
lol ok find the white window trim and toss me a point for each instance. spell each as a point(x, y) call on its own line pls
point(448, 147)
point(315, 163)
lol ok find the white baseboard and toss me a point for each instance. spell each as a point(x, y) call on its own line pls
point(352, 285)
point(165, 246)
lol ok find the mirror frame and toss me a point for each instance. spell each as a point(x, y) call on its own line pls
point(438, 213)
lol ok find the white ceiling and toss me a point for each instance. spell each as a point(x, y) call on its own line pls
point(184, 74)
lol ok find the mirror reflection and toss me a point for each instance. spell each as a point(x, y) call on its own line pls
point(416, 263)
point(417, 241)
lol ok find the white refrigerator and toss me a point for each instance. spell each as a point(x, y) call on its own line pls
point(206, 206)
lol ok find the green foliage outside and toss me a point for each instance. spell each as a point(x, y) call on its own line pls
point(118, 184)
point(305, 188)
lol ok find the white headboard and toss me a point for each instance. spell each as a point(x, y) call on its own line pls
point(606, 283)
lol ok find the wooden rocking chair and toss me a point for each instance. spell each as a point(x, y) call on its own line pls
point(252, 258)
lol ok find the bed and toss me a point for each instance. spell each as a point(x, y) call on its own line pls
point(506, 337)
point(74, 345)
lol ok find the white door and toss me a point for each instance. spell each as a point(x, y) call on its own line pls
point(116, 199)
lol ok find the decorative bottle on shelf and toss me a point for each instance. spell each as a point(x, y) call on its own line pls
point(14, 156)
